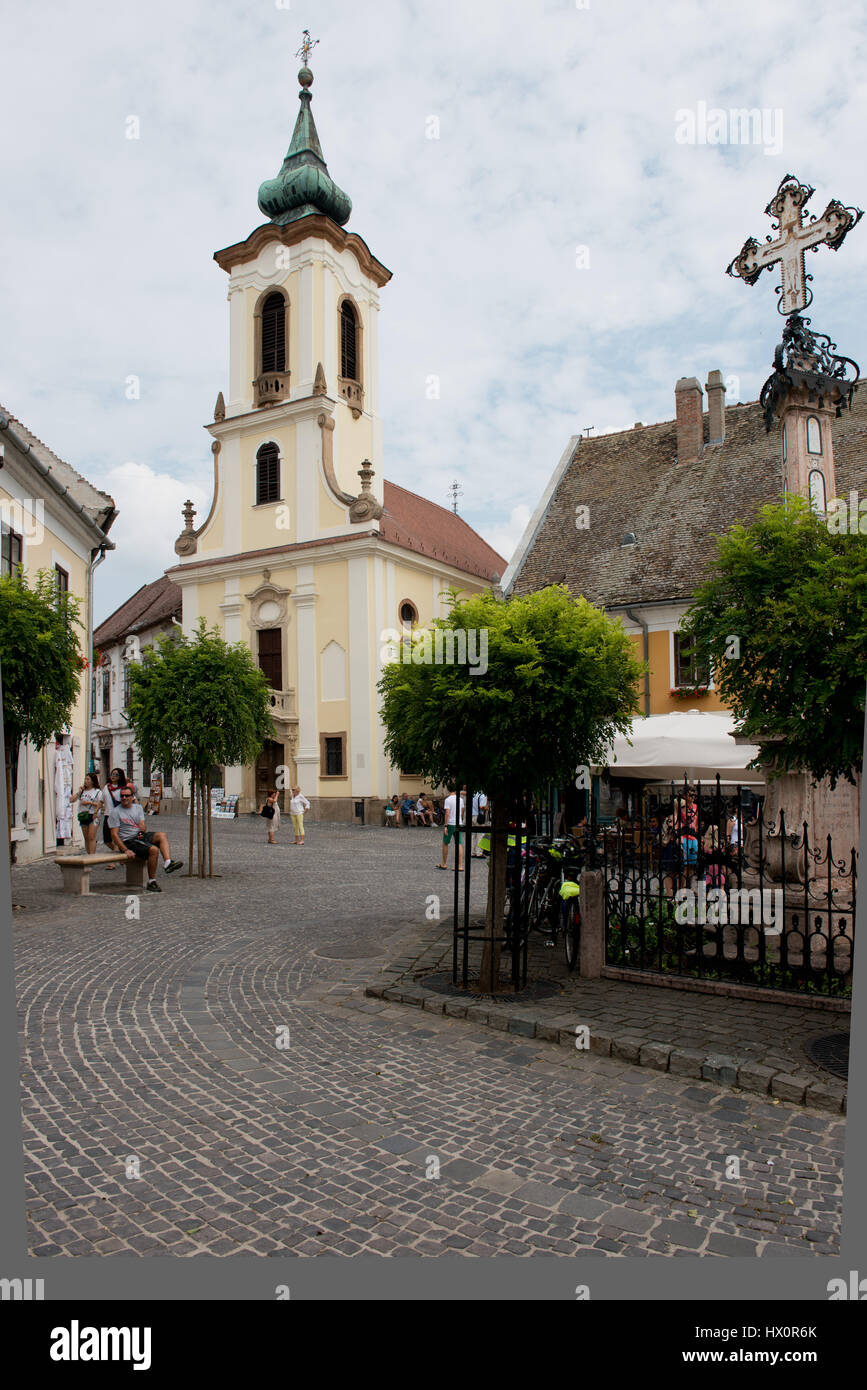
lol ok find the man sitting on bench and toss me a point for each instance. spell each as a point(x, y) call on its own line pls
point(126, 824)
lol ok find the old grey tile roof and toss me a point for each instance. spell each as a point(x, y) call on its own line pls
point(152, 603)
point(631, 481)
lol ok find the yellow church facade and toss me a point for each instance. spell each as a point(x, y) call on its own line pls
point(307, 554)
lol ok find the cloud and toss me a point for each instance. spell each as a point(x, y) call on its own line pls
point(505, 538)
point(149, 506)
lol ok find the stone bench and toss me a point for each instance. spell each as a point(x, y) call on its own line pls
point(76, 870)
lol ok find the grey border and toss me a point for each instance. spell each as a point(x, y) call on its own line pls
point(368, 1277)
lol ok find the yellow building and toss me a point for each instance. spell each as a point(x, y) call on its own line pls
point(52, 519)
point(307, 554)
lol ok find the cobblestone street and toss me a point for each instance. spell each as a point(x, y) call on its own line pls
point(187, 1089)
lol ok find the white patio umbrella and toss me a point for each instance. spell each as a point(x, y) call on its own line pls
point(689, 744)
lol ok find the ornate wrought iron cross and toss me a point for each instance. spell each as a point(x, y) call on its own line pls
point(307, 46)
point(795, 237)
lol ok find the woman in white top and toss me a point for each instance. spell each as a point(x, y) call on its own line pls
point(298, 804)
point(90, 808)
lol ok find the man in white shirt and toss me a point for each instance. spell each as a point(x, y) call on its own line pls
point(454, 815)
point(126, 825)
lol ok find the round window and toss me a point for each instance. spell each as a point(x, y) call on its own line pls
point(408, 613)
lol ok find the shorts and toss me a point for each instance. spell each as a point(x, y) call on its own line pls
point(451, 832)
point(141, 844)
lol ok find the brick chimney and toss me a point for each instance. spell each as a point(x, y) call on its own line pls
point(690, 432)
point(716, 407)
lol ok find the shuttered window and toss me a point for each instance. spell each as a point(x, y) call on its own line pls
point(348, 342)
point(11, 550)
point(274, 334)
point(271, 656)
point(267, 474)
point(334, 757)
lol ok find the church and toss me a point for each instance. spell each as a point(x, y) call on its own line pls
point(308, 554)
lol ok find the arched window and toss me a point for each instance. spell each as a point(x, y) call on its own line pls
point(784, 444)
point(274, 334)
point(814, 435)
point(818, 495)
point(349, 341)
point(267, 474)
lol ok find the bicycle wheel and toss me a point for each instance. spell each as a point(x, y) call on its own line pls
point(571, 917)
point(536, 904)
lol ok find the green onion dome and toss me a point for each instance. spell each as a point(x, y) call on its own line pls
point(304, 185)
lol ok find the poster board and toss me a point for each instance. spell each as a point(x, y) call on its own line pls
point(223, 807)
point(156, 794)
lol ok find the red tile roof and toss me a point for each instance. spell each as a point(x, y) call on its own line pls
point(414, 523)
point(152, 603)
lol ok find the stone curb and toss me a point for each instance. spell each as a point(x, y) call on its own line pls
point(745, 1075)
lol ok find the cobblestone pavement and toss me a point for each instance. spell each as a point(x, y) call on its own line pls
point(737, 1042)
point(164, 1112)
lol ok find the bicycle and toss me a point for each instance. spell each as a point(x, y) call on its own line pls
point(553, 895)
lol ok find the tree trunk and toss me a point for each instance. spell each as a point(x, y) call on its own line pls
point(192, 821)
point(203, 790)
point(489, 975)
point(210, 839)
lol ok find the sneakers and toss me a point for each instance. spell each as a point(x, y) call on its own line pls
point(174, 864)
point(153, 887)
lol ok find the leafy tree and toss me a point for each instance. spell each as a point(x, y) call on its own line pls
point(41, 663)
point(783, 616)
point(195, 703)
point(560, 683)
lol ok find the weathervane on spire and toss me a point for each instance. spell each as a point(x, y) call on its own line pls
point(306, 48)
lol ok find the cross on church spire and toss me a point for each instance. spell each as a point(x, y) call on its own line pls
point(795, 237)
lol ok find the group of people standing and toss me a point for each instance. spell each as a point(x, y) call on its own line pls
point(270, 812)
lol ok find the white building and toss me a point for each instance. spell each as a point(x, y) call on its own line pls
point(154, 608)
point(52, 519)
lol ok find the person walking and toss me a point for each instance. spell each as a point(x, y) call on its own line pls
point(455, 812)
point(271, 812)
point(90, 809)
point(298, 804)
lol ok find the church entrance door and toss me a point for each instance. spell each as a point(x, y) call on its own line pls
point(270, 759)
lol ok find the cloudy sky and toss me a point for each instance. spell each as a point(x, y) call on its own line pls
point(558, 252)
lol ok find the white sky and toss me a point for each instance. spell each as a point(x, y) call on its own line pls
point(557, 130)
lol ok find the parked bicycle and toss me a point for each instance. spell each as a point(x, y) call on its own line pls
point(551, 868)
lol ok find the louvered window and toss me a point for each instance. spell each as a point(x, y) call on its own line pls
point(274, 334)
point(267, 474)
point(348, 342)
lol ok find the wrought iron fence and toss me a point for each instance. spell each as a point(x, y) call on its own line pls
point(696, 885)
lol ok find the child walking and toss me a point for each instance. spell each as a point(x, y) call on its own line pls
point(297, 806)
point(271, 812)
